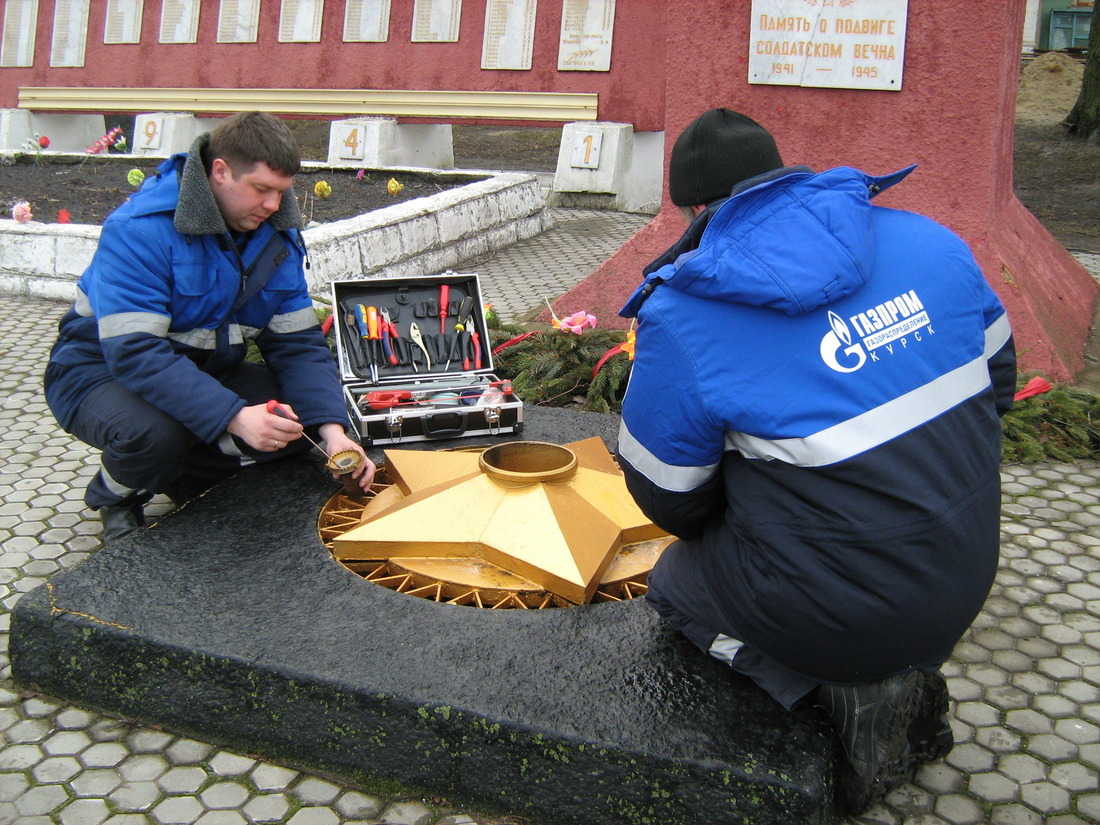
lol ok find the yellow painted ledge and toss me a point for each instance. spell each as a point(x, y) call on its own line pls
point(557, 106)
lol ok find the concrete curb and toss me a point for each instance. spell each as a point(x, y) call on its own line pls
point(427, 235)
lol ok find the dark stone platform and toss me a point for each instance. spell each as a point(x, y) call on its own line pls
point(228, 621)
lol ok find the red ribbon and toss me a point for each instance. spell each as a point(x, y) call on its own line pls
point(613, 351)
point(1035, 386)
point(513, 341)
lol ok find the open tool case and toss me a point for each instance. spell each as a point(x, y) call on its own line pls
point(415, 360)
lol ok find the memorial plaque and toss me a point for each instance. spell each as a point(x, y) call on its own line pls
point(509, 34)
point(20, 27)
point(586, 28)
point(436, 21)
point(179, 21)
point(70, 33)
point(238, 21)
point(367, 21)
point(123, 23)
point(838, 44)
point(300, 21)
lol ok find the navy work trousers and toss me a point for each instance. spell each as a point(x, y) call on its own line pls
point(149, 451)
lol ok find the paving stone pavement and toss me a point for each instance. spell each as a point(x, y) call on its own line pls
point(1025, 680)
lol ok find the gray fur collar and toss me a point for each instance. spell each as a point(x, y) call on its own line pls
point(197, 212)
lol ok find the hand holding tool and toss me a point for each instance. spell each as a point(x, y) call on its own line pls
point(444, 300)
point(275, 408)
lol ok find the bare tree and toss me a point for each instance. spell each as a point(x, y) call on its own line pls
point(1083, 121)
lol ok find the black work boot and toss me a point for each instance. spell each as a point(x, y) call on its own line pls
point(872, 721)
point(122, 518)
point(930, 735)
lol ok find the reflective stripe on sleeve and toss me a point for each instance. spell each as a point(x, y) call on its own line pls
point(295, 321)
point(997, 335)
point(206, 338)
point(875, 427)
point(128, 323)
point(671, 477)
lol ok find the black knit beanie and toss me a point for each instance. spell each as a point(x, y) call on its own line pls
point(718, 150)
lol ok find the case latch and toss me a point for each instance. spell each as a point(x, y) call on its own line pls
point(393, 424)
point(492, 419)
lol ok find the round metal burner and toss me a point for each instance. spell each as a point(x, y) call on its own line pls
point(517, 525)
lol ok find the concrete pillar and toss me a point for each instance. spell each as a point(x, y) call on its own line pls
point(373, 142)
point(70, 132)
point(16, 128)
point(167, 133)
point(609, 166)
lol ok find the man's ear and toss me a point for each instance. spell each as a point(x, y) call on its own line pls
point(220, 171)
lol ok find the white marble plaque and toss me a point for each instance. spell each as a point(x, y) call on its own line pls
point(179, 21)
point(586, 28)
point(509, 34)
point(436, 21)
point(20, 28)
point(70, 33)
point(300, 21)
point(367, 21)
point(123, 23)
point(585, 153)
point(238, 21)
point(837, 44)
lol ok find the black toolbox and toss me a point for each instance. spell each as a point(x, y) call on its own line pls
point(415, 360)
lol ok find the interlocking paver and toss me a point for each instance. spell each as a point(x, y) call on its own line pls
point(84, 812)
point(224, 795)
point(177, 810)
point(270, 807)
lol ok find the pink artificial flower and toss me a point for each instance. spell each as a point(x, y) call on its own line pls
point(578, 322)
point(360, 174)
point(22, 212)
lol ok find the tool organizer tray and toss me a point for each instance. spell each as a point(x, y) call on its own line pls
point(415, 360)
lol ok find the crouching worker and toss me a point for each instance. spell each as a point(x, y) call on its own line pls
point(827, 442)
point(149, 365)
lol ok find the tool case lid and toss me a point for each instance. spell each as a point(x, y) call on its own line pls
point(409, 300)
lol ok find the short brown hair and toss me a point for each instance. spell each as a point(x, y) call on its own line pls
point(247, 138)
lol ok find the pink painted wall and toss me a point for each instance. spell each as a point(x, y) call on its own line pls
point(953, 116)
point(631, 92)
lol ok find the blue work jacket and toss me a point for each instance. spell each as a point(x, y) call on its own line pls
point(814, 406)
point(163, 279)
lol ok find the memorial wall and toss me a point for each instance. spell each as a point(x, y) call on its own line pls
point(586, 46)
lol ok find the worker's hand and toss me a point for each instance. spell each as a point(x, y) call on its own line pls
point(263, 430)
point(336, 439)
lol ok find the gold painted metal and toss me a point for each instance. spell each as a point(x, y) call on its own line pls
point(521, 524)
point(343, 463)
point(563, 106)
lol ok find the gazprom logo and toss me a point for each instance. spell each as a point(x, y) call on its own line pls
point(837, 350)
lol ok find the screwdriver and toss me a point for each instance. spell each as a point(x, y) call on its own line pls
point(444, 301)
point(274, 407)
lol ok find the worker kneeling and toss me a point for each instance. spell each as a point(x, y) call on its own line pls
point(827, 441)
point(149, 365)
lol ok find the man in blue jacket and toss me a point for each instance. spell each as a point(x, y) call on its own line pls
point(149, 365)
point(814, 413)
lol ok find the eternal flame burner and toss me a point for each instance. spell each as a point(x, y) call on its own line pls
point(520, 524)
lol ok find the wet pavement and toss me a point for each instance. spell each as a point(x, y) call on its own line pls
point(1025, 681)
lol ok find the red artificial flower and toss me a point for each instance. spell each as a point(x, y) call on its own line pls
point(44, 142)
point(63, 216)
